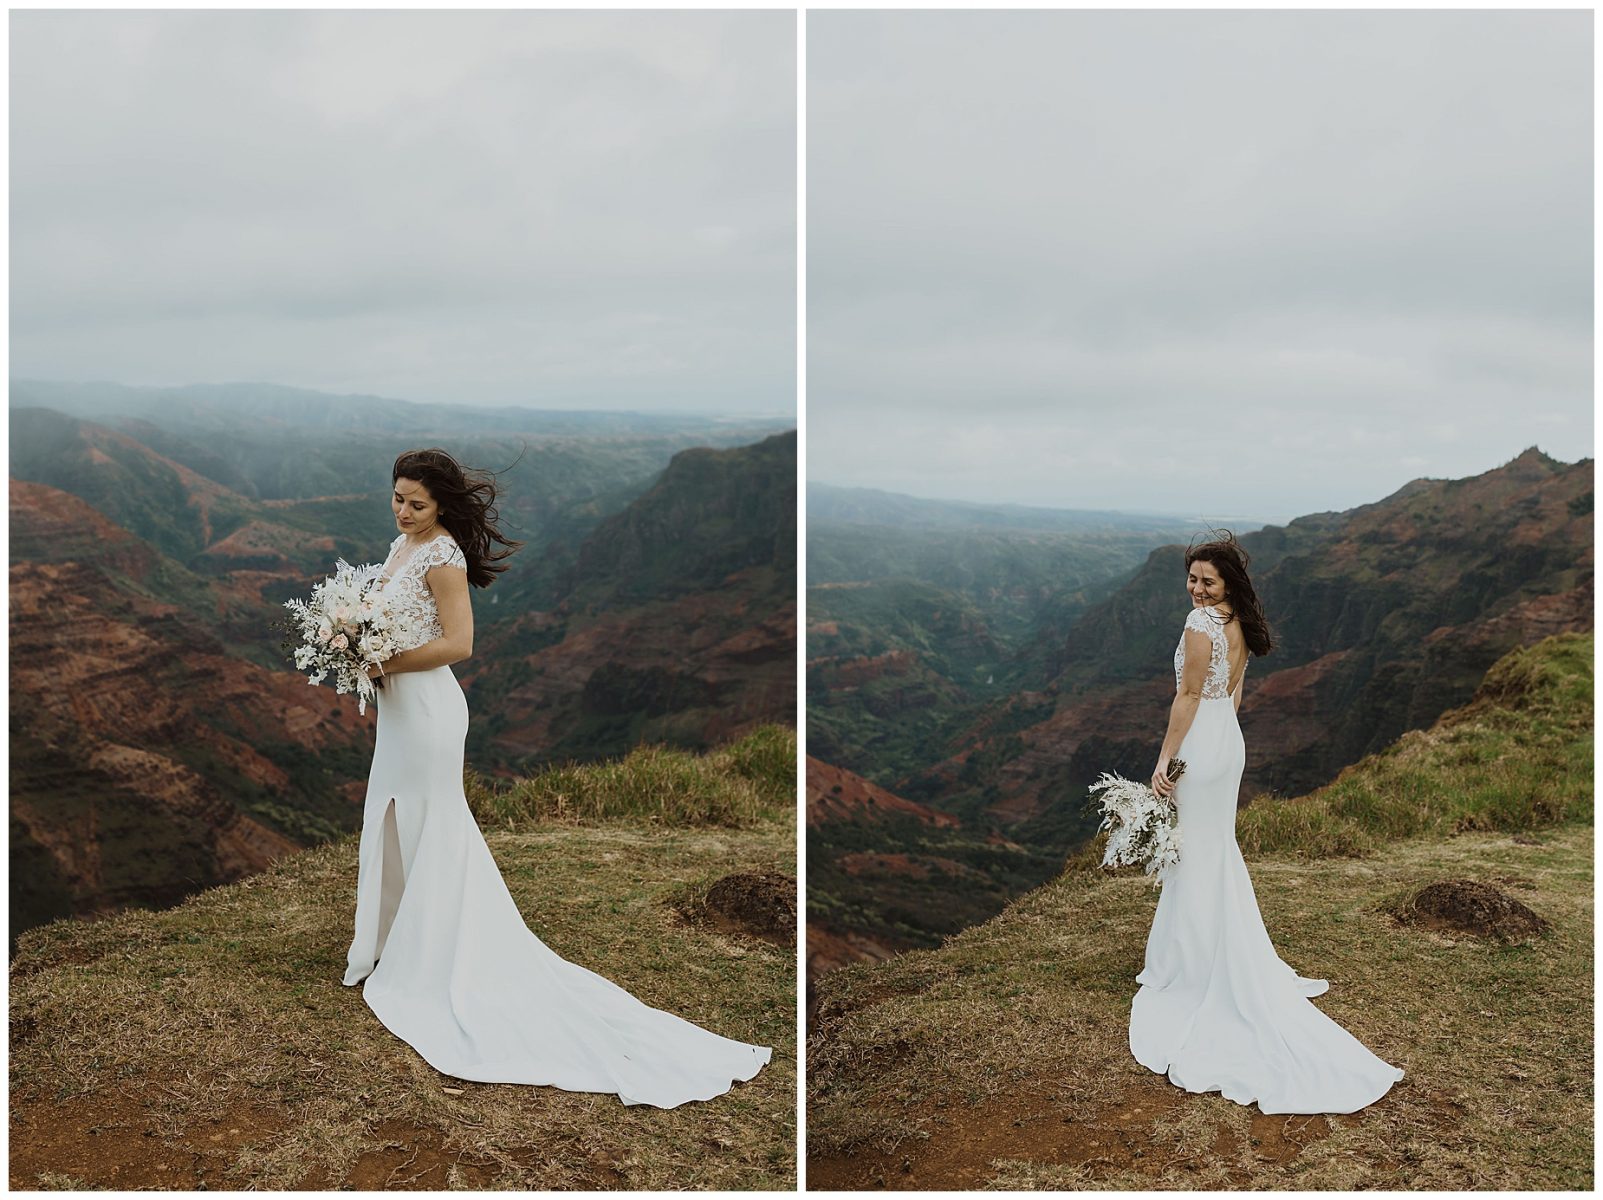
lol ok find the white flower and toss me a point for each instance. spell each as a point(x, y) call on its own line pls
point(347, 624)
point(1142, 826)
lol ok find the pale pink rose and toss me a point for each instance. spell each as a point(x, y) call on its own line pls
point(324, 634)
point(339, 642)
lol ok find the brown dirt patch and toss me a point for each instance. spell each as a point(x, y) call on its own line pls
point(759, 903)
point(1467, 907)
point(410, 1159)
point(119, 1141)
point(126, 1143)
point(1278, 1138)
point(1046, 1127)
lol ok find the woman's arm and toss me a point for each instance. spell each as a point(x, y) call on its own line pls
point(1184, 709)
point(450, 588)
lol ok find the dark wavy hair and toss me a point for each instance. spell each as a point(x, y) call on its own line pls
point(467, 507)
point(1230, 559)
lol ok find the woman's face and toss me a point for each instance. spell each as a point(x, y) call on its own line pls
point(1204, 583)
point(415, 510)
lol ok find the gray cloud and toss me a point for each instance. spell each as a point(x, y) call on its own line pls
point(1224, 262)
point(544, 207)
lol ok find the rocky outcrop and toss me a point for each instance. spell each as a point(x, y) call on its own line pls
point(835, 794)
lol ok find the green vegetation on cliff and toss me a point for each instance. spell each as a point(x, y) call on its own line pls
point(738, 785)
point(1001, 1060)
point(1517, 756)
point(213, 1044)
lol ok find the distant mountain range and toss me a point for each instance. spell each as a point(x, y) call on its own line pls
point(161, 741)
point(873, 507)
point(1385, 616)
point(212, 408)
point(917, 611)
point(326, 456)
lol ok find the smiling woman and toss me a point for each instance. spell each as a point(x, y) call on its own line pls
point(1218, 1010)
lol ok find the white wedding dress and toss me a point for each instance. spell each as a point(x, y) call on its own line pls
point(1218, 1010)
point(450, 967)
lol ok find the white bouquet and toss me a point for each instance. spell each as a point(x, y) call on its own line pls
point(1143, 825)
point(345, 625)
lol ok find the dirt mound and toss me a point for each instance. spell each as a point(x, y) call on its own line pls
point(1465, 906)
point(762, 904)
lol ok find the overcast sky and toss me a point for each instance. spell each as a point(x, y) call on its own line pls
point(564, 209)
point(1214, 263)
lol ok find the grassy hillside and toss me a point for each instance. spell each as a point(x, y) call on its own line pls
point(1001, 1058)
point(1517, 756)
point(213, 1045)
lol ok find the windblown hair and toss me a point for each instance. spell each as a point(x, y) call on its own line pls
point(1230, 559)
point(467, 508)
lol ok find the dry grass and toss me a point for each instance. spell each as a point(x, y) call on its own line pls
point(738, 785)
point(213, 1045)
point(1496, 1040)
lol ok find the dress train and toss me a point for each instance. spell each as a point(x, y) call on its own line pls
point(451, 968)
point(1218, 1010)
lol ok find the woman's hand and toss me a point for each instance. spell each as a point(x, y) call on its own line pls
point(1161, 783)
point(373, 672)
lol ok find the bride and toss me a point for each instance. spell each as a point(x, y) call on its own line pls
point(1217, 1010)
point(448, 963)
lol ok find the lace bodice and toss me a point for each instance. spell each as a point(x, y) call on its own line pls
point(1208, 620)
point(409, 587)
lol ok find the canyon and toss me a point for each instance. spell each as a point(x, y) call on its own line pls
point(161, 740)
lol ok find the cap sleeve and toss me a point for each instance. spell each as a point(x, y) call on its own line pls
point(444, 552)
point(1197, 621)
